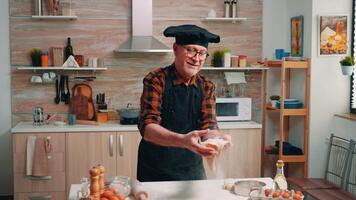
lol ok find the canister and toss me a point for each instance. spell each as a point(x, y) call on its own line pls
point(242, 60)
point(44, 58)
point(234, 61)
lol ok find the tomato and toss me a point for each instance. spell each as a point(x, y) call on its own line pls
point(276, 194)
point(297, 196)
point(107, 193)
point(268, 192)
point(286, 195)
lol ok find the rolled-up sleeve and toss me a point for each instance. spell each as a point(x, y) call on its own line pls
point(208, 107)
point(151, 101)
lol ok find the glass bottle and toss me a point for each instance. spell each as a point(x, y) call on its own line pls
point(44, 58)
point(280, 181)
point(68, 51)
point(84, 189)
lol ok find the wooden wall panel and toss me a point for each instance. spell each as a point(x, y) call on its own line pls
point(103, 26)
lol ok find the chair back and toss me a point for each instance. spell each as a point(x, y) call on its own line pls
point(351, 171)
point(338, 156)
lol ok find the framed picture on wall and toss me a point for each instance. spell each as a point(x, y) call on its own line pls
point(333, 35)
point(297, 33)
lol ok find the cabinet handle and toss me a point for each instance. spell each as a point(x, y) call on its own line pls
point(121, 146)
point(111, 145)
point(40, 197)
point(39, 178)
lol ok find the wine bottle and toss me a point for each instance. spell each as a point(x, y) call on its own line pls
point(68, 51)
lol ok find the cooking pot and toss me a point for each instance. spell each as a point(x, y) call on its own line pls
point(129, 115)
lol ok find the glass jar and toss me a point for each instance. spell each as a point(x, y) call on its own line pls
point(84, 191)
point(242, 61)
point(44, 58)
point(121, 185)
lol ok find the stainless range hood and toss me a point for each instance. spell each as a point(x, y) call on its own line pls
point(142, 39)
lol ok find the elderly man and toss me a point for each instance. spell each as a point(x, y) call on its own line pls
point(178, 111)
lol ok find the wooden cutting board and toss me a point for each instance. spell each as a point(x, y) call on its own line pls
point(81, 103)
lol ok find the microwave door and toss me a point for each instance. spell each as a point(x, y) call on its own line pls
point(228, 111)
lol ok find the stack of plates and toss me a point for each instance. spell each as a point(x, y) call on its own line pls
point(295, 58)
point(291, 103)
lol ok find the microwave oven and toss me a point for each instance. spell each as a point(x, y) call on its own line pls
point(233, 109)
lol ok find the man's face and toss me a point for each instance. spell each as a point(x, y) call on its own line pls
point(189, 59)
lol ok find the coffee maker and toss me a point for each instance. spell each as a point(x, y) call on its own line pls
point(38, 116)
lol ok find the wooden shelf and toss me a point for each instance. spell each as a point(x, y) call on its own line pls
point(294, 158)
point(233, 68)
point(288, 64)
point(54, 17)
point(285, 92)
point(348, 116)
point(294, 112)
point(224, 19)
point(63, 68)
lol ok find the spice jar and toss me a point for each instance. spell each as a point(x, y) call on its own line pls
point(44, 58)
point(242, 61)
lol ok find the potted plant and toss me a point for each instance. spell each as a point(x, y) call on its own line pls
point(347, 65)
point(274, 99)
point(36, 57)
point(218, 56)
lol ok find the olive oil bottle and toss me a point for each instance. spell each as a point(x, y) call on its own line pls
point(280, 181)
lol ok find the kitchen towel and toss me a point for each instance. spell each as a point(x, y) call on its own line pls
point(39, 165)
point(30, 151)
point(235, 77)
point(36, 157)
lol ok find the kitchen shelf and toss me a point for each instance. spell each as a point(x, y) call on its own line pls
point(224, 19)
point(63, 68)
point(54, 17)
point(285, 114)
point(233, 68)
point(288, 64)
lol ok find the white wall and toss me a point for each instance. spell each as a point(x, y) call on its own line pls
point(329, 90)
point(5, 105)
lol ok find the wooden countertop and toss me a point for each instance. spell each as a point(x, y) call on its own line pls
point(27, 127)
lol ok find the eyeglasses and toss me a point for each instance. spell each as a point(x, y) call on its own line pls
point(191, 53)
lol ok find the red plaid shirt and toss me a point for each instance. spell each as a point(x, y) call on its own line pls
point(153, 89)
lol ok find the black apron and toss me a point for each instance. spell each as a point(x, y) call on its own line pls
point(181, 113)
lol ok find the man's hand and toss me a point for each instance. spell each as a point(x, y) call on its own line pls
point(192, 139)
point(217, 134)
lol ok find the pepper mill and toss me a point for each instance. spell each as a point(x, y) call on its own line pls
point(101, 178)
point(94, 183)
